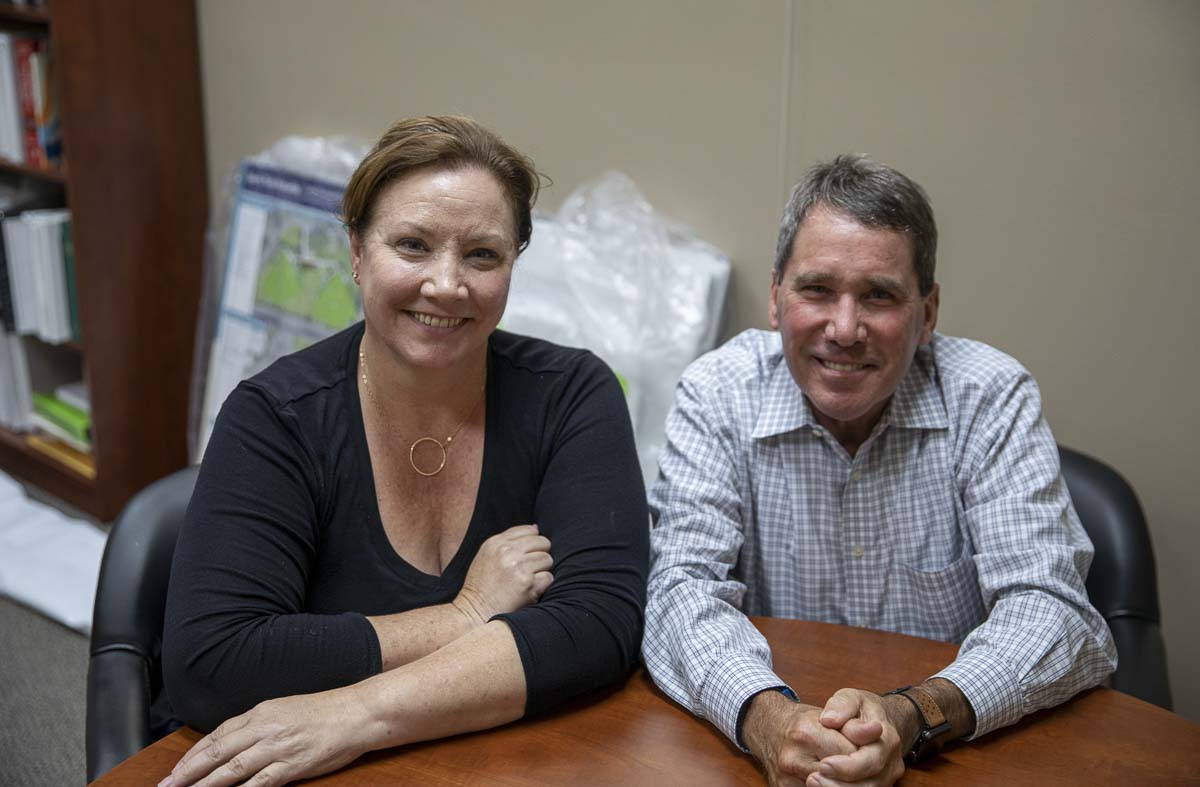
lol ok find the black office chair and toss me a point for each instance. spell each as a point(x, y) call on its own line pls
point(1122, 583)
point(127, 709)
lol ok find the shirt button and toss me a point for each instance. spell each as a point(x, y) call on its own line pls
point(857, 551)
point(856, 475)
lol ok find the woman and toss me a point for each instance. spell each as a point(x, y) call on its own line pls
point(422, 525)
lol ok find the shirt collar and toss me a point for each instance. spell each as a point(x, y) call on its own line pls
point(917, 403)
point(784, 406)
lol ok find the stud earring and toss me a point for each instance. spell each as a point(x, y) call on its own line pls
point(355, 275)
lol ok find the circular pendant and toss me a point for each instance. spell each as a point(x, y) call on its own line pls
point(412, 450)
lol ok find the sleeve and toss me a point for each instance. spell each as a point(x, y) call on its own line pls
point(1042, 641)
point(235, 633)
point(585, 630)
point(699, 647)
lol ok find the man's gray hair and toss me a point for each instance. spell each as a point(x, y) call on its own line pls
point(874, 195)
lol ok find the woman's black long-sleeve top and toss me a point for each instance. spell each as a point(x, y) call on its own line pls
point(283, 552)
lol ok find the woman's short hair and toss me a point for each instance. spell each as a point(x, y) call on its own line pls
point(441, 142)
point(874, 195)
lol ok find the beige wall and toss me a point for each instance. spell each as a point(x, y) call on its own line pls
point(1059, 142)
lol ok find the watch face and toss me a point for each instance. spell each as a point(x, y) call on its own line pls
point(929, 742)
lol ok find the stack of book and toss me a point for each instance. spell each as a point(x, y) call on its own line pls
point(30, 132)
point(56, 416)
point(62, 424)
point(37, 276)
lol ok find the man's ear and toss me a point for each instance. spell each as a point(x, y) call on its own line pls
point(772, 304)
point(930, 304)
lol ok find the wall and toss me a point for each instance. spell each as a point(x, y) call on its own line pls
point(1058, 142)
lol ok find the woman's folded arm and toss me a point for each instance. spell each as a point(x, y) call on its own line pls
point(586, 630)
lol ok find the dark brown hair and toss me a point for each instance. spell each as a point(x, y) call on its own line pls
point(441, 142)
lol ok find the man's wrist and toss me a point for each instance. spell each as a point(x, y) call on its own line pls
point(758, 713)
point(928, 715)
point(903, 716)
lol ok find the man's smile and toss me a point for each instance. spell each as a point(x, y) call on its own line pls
point(842, 367)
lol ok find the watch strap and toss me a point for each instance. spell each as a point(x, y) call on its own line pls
point(927, 705)
point(935, 729)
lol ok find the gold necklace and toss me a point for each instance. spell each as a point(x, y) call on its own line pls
point(412, 449)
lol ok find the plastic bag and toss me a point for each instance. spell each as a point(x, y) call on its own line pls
point(609, 274)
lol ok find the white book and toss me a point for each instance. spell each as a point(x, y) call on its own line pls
point(33, 281)
point(74, 394)
point(20, 276)
point(10, 104)
point(20, 387)
point(45, 232)
point(41, 274)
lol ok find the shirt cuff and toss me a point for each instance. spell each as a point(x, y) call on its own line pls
point(730, 685)
point(991, 686)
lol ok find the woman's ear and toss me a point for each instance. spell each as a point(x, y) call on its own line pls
point(355, 254)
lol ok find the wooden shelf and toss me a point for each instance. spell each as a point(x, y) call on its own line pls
point(53, 174)
point(133, 130)
point(29, 464)
point(25, 16)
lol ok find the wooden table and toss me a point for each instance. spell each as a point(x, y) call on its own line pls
point(634, 735)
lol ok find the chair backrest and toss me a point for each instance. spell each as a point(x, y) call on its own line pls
point(124, 669)
point(1122, 583)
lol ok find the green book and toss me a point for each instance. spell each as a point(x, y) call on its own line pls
point(68, 255)
point(74, 421)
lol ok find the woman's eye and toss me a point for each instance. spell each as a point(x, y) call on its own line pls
point(411, 244)
point(485, 254)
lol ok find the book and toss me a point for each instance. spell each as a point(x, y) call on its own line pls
point(8, 319)
point(12, 203)
point(10, 111)
point(74, 394)
point(24, 297)
point(71, 419)
point(68, 261)
point(15, 388)
point(79, 461)
point(38, 274)
point(49, 129)
point(25, 54)
point(43, 424)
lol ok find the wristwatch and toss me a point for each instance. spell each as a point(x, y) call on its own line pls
point(935, 730)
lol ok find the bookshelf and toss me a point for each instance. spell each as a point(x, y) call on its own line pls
point(128, 80)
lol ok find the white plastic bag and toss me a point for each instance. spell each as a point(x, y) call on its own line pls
point(610, 274)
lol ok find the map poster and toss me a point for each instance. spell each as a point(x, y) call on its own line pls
point(287, 280)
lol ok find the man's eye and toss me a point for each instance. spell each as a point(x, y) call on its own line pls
point(816, 290)
point(484, 257)
point(880, 295)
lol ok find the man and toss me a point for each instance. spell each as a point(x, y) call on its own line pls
point(858, 468)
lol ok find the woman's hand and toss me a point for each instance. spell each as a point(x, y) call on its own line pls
point(510, 570)
point(278, 741)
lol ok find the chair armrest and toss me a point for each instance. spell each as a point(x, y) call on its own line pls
point(118, 695)
point(1142, 669)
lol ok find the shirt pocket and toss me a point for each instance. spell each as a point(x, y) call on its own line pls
point(940, 603)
